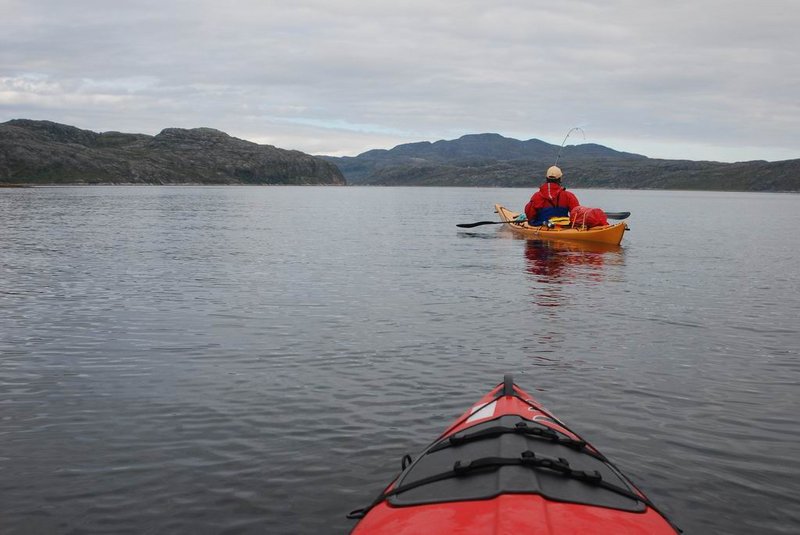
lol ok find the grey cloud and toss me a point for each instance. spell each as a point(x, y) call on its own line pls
point(323, 74)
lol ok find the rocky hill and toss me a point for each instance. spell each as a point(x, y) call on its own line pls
point(494, 160)
point(43, 152)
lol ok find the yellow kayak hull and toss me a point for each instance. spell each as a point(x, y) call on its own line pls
point(609, 234)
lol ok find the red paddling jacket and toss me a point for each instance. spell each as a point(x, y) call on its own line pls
point(550, 201)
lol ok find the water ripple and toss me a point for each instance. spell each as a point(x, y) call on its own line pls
point(190, 360)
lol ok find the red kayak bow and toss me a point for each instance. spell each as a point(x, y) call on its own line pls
point(508, 466)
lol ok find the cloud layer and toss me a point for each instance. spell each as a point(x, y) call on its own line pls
point(708, 79)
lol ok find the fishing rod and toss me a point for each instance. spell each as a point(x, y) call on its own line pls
point(571, 130)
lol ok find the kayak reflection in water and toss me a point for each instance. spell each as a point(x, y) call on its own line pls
point(556, 263)
point(560, 262)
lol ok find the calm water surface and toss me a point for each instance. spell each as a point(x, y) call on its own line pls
point(257, 360)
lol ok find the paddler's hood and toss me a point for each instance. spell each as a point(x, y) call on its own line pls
point(550, 189)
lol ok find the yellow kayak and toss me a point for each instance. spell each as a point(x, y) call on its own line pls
point(610, 234)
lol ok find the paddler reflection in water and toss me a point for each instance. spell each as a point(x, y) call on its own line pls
point(551, 200)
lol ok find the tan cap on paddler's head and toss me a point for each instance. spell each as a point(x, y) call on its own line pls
point(554, 173)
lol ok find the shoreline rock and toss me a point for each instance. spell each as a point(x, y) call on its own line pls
point(44, 152)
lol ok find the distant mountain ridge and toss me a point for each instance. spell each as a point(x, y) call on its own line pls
point(489, 146)
point(44, 152)
point(495, 160)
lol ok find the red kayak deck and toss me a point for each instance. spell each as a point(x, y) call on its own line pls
point(508, 466)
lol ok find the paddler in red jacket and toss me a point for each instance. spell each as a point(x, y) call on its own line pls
point(551, 200)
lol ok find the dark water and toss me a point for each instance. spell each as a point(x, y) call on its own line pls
point(257, 360)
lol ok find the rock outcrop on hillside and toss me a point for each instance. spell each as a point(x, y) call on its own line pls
point(43, 152)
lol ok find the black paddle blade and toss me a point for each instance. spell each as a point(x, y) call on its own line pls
point(479, 223)
point(617, 215)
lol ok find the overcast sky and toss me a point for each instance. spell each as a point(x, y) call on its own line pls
point(699, 79)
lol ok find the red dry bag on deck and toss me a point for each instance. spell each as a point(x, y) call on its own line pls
point(583, 216)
